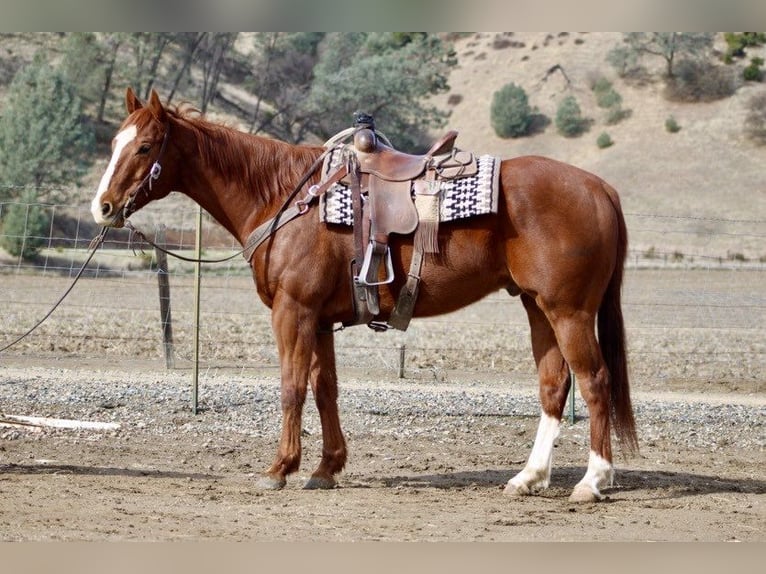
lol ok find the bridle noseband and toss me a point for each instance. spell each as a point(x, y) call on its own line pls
point(154, 174)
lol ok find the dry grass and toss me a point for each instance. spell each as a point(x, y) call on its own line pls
point(709, 169)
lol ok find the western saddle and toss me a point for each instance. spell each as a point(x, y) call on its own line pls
point(383, 183)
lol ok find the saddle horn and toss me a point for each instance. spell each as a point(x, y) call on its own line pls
point(365, 139)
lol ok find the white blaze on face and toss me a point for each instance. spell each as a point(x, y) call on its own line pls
point(120, 141)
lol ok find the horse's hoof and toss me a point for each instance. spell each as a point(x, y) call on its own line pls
point(320, 483)
point(584, 493)
point(512, 489)
point(267, 482)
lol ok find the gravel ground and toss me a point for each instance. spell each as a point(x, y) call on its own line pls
point(235, 404)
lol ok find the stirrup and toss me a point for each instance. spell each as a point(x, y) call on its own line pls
point(362, 278)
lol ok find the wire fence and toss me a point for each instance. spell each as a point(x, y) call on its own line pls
point(694, 303)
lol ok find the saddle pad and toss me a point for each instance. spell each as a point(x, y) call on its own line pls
point(460, 198)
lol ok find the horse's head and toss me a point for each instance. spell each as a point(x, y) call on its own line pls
point(133, 177)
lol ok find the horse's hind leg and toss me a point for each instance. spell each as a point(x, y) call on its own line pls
point(554, 386)
point(577, 338)
point(324, 384)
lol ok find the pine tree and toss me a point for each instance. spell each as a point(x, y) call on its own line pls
point(388, 75)
point(83, 64)
point(25, 226)
point(42, 137)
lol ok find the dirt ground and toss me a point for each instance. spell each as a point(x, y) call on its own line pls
point(95, 486)
point(418, 470)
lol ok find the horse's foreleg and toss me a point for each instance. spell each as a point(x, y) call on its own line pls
point(579, 345)
point(324, 384)
point(295, 332)
point(554, 386)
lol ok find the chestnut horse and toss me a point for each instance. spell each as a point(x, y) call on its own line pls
point(558, 240)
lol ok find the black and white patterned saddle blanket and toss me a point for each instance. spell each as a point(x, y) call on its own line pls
point(459, 198)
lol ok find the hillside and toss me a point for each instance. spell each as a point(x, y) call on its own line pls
point(704, 174)
point(707, 170)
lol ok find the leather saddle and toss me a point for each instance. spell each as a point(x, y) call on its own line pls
point(391, 180)
point(388, 188)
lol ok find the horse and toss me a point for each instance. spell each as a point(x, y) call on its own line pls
point(558, 241)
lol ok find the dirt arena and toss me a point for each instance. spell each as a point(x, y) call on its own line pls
point(428, 453)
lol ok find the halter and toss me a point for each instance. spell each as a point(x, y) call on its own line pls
point(154, 174)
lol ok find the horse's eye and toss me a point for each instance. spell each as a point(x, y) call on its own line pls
point(144, 149)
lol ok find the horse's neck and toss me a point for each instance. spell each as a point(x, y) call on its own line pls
point(248, 187)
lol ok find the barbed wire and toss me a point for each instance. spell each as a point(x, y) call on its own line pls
point(692, 217)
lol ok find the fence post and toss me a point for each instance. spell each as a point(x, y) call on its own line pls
point(197, 293)
point(401, 361)
point(163, 281)
point(572, 397)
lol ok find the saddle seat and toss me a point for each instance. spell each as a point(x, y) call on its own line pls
point(389, 164)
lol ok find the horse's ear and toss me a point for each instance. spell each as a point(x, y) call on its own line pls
point(156, 107)
point(132, 103)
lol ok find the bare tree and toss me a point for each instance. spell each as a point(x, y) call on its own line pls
point(112, 42)
point(282, 71)
point(669, 45)
point(190, 43)
point(212, 60)
point(159, 42)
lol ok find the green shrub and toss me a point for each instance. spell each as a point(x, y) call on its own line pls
point(569, 119)
point(510, 113)
point(753, 73)
point(616, 115)
point(601, 85)
point(608, 99)
point(604, 140)
point(671, 125)
point(25, 227)
point(737, 42)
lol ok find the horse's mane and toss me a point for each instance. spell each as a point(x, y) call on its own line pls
point(265, 165)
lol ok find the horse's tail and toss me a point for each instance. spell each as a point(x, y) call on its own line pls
point(611, 336)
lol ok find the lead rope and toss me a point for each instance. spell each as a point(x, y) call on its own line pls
point(128, 225)
point(153, 175)
point(96, 242)
point(94, 245)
